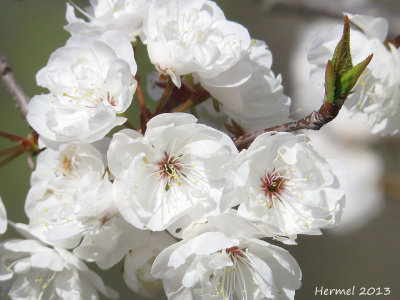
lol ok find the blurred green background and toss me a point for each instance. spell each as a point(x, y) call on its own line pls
point(30, 30)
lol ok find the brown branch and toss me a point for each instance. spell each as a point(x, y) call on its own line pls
point(18, 94)
point(314, 121)
point(334, 9)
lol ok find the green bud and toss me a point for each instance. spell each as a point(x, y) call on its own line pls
point(330, 82)
point(340, 74)
point(341, 60)
point(349, 79)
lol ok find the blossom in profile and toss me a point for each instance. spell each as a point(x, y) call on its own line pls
point(377, 91)
point(287, 187)
point(91, 80)
point(126, 16)
point(223, 259)
point(30, 269)
point(192, 36)
point(176, 169)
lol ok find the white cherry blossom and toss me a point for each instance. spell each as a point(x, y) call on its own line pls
point(282, 183)
point(70, 204)
point(124, 15)
point(378, 89)
point(31, 270)
point(91, 80)
point(192, 36)
point(69, 194)
point(249, 92)
point(178, 168)
point(109, 239)
point(223, 259)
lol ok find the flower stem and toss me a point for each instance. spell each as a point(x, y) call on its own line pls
point(196, 98)
point(11, 137)
point(11, 157)
point(163, 98)
point(145, 114)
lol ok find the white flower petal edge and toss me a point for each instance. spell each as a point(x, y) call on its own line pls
point(249, 91)
point(287, 187)
point(126, 16)
point(31, 270)
point(192, 36)
point(3, 217)
point(378, 89)
point(91, 80)
point(178, 168)
point(228, 264)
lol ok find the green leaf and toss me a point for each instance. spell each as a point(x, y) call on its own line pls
point(330, 82)
point(349, 79)
point(340, 75)
point(341, 60)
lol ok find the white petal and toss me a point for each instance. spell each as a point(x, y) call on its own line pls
point(3, 217)
point(372, 27)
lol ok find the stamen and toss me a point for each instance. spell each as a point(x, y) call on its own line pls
point(66, 165)
point(110, 99)
point(233, 276)
point(273, 184)
point(170, 169)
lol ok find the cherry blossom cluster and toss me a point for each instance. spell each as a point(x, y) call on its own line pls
point(174, 199)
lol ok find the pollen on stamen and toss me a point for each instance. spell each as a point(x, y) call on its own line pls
point(170, 169)
point(234, 252)
point(272, 185)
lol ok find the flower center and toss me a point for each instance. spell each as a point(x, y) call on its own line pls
point(273, 184)
point(66, 165)
point(110, 99)
point(231, 282)
point(169, 169)
point(234, 252)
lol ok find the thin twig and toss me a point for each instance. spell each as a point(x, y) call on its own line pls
point(145, 114)
point(189, 103)
point(11, 157)
point(163, 98)
point(141, 98)
point(10, 150)
point(15, 89)
point(11, 137)
point(196, 98)
point(334, 9)
point(314, 121)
